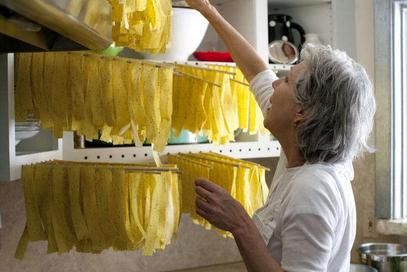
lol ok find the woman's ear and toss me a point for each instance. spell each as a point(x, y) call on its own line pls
point(300, 116)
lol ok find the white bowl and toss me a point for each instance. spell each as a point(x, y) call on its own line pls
point(188, 30)
point(25, 130)
point(22, 135)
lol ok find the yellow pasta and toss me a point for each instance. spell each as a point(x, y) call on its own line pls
point(23, 96)
point(76, 87)
point(120, 209)
point(137, 233)
point(106, 92)
point(151, 97)
point(34, 225)
point(90, 209)
point(142, 25)
point(165, 100)
point(64, 235)
point(60, 101)
point(245, 181)
point(78, 218)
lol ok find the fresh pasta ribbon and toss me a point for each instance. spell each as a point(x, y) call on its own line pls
point(142, 25)
point(23, 98)
point(221, 104)
point(129, 102)
point(93, 207)
point(133, 101)
point(245, 181)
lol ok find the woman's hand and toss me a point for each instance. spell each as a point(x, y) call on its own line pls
point(218, 207)
point(200, 5)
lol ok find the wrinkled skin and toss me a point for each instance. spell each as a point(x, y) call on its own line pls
point(217, 206)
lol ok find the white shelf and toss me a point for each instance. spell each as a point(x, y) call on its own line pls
point(205, 63)
point(280, 67)
point(274, 67)
point(242, 150)
point(282, 3)
point(295, 3)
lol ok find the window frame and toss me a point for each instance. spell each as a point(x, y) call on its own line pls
point(391, 116)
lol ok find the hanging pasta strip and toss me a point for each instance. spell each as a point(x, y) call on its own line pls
point(107, 94)
point(151, 96)
point(245, 181)
point(137, 233)
point(78, 218)
point(142, 25)
point(63, 228)
point(80, 205)
point(165, 84)
point(77, 87)
point(243, 101)
point(34, 225)
point(23, 96)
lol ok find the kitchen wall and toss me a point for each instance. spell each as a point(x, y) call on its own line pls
point(193, 246)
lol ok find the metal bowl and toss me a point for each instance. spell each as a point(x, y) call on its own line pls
point(384, 256)
point(361, 268)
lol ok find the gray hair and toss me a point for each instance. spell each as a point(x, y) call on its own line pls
point(339, 103)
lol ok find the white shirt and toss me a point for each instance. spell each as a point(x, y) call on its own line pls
point(308, 221)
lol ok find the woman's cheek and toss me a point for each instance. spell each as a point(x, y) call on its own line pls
point(268, 119)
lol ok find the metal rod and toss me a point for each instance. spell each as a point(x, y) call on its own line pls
point(205, 68)
point(178, 73)
point(128, 60)
point(130, 167)
point(178, 157)
point(240, 82)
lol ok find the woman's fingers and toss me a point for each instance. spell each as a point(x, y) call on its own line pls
point(203, 193)
point(202, 213)
point(216, 205)
point(202, 204)
point(205, 210)
point(207, 185)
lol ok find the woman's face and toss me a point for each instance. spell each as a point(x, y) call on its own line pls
point(284, 110)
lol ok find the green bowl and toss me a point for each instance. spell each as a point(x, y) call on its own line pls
point(111, 51)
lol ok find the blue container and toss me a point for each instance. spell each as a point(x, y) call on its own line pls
point(187, 137)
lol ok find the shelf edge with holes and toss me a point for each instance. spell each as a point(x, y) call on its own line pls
point(241, 150)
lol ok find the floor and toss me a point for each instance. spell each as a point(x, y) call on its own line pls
point(229, 267)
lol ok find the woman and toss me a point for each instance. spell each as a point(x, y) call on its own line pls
point(322, 114)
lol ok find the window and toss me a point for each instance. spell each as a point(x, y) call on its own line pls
point(399, 112)
point(391, 78)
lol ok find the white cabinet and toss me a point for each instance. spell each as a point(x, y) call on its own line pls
point(11, 157)
point(333, 21)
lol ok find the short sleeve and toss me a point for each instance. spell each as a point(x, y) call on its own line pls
point(307, 243)
point(309, 222)
point(262, 88)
